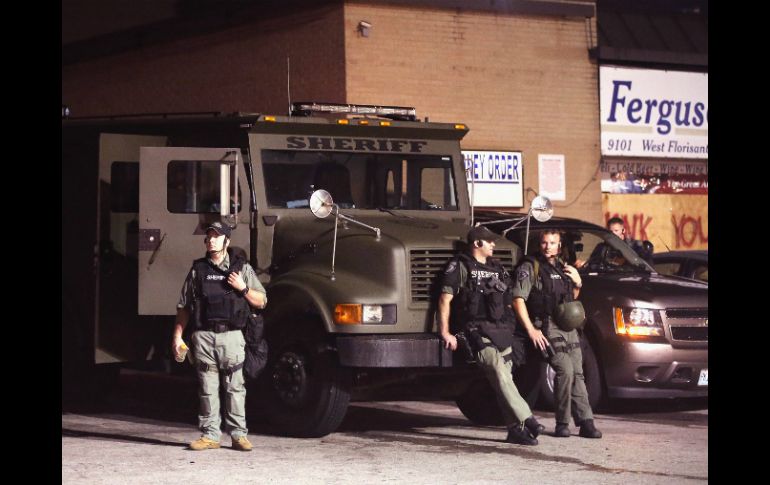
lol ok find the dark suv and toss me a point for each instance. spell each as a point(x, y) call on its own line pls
point(692, 264)
point(646, 334)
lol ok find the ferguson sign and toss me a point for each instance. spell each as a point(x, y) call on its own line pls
point(648, 113)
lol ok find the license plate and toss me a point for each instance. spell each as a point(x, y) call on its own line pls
point(703, 380)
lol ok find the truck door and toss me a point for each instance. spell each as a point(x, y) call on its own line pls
point(180, 194)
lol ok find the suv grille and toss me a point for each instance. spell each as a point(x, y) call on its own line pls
point(687, 313)
point(693, 334)
point(426, 265)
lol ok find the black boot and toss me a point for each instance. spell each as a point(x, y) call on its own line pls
point(588, 430)
point(533, 426)
point(562, 430)
point(520, 435)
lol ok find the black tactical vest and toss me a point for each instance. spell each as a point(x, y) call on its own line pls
point(216, 301)
point(557, 289)
point(484, 301)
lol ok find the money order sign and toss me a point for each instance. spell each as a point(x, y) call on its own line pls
point(496, 177)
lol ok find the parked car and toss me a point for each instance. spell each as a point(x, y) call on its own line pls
point(692, 264)
point(646, 333)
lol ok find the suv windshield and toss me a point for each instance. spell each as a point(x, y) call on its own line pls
point(591, 251)
point(360, 181)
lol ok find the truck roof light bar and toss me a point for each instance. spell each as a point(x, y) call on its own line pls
point(308, 108)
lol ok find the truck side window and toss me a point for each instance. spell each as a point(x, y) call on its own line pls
point(193, 187)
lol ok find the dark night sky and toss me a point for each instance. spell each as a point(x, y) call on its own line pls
point(82, 19)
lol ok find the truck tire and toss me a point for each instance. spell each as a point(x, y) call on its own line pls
point(591, 374)
point(479, 404)
point(306, 391)
point(528, 378)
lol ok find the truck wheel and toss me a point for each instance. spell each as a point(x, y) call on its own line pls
point(479, 404)
point(306, 391)
point(528, 378)
point(591, 375)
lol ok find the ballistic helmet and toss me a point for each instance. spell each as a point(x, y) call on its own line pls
point(569, 315)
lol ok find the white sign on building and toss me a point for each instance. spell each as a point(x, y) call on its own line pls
point(652, 113)
point(497, 178)
point(551, 176)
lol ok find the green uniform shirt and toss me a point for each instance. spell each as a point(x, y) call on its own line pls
point(524, 280)
point(455, 276)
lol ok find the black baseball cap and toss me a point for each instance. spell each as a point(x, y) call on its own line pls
point(481, 233)
point(219, 228)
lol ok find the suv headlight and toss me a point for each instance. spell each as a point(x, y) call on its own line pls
point(638, 322)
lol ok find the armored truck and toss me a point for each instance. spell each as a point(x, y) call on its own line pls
point(347, 212)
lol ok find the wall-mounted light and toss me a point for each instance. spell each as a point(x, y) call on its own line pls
point(363, 28)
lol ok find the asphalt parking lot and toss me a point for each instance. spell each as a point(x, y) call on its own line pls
point(140, 432)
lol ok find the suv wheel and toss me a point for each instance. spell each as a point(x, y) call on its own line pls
point(528, 377)
point(591, 374)
point(479, 404)
point(593, 378)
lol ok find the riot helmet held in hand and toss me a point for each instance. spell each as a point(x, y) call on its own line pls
point(570, 315)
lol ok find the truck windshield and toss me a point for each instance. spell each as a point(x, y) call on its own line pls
point(360, 181)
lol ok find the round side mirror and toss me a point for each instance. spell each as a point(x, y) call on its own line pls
point(321, 203)
point(541, 208)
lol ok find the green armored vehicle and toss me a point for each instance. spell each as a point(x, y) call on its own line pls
point(348, 212)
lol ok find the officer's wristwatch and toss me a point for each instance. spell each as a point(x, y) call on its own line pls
point(244, 292)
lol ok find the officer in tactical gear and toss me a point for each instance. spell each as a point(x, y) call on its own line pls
point(545, 294)
point(616, 226)
point(217, 296)
point(476, 292)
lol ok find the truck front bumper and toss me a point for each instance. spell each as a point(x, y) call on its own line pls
point(393, 350)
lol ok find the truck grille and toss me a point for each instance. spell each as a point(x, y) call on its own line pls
point(691, 334)
point(427, 264)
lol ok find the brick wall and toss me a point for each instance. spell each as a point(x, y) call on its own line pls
point(520, 83)
point(238, 69)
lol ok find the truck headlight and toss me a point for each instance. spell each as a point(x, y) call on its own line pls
point(638, 322)
point(358, 313)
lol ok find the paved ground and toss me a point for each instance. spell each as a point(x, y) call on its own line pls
point(139, 437)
